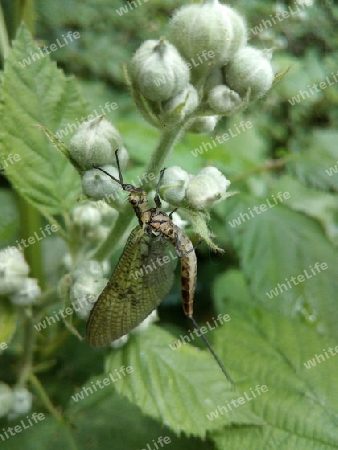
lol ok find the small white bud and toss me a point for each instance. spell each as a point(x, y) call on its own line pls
point(223, 100)
point(215, 78)
point(158, 70)
point(177, 219)
point(85, 292)
point(94, 143)
point(182, 104)
point(98, 185)
point(173, 185)
point(206, 188)
point(6, 399)
point(143, 326)
point(22, 402)
point(204, 124)
point(120, 342)
point(13, 270)
point(207, 29)
point(99, 234)
point(250, 68)
point(86, 216)
point(27, 295)
point(89, 268)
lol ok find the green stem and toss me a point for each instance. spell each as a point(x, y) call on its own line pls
point(30, 221)
point(167, 141)
point(29, 336)
point(44, 397)
point(4, 44)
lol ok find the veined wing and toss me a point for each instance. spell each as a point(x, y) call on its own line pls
point(142, 277)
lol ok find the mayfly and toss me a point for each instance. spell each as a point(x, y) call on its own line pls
point(127, 300)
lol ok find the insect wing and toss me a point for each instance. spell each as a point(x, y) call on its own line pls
point(140, 281)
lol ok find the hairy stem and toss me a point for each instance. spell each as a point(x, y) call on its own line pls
point(29, 337)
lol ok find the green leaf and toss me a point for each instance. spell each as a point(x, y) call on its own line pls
point(47, 434)
point(7, 321)
point(315, 160)
point(278, 244)
point(38, 93)
point(322, 206)
point(106, 416)
point(178, 387)
point(262, 348)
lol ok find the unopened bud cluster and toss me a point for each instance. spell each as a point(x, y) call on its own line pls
point(14, 280)
point(14, 402)
point(92, 220)
point(198, 192)
point(94, 145)
point(205, 72)
point(88, 283)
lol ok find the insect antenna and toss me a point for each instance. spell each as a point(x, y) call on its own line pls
point(212, 351)
point(125, 186)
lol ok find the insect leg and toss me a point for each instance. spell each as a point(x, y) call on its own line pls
point(171, 214)
point(157, 199)
point(119, 167)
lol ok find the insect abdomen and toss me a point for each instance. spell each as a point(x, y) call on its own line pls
point(186, 252)
point(188, 275)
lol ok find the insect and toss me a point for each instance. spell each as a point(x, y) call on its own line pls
point(126, 301)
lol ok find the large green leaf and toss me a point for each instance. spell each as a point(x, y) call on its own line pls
point(300, 408)
point(108, 416)
point(178, 387)
point(278, 244)
point(104, 421)
point(38, 93)
point(315, 161)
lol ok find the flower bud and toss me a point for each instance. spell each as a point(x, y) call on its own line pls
point(99, 234)
point(143, 326)
point(94, 143)
point(22, 402)
point(13, 271)
point(204, 124)
point(158, 70)
point(89, 268)
point(223, 100)
point(181, 105)
point(250, 68)
point(177, 220)
point(6, 399)
point(98, 185)
point(85, 292)
point(204, 28)
point(173, 185)
point(206, 188)
point(215, 78)
point(120, 342)
point(27, 295)
point(86, 216)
